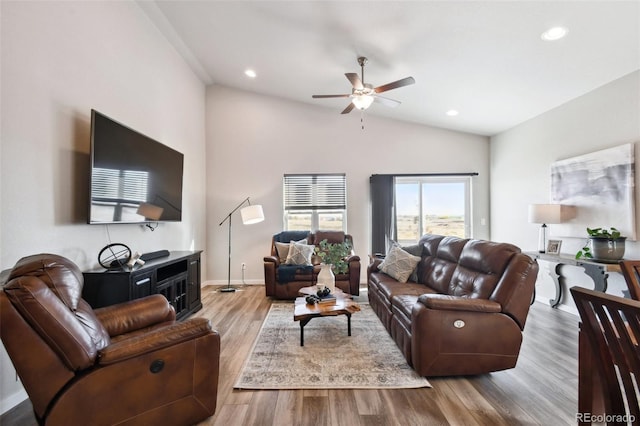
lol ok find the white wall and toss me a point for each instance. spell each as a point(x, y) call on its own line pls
point(253, 140)
point(521, 159)
point(59, 60)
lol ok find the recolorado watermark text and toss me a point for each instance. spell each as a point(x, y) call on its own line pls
point(605, 418)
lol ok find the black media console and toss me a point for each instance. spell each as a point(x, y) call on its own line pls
point(177, 277)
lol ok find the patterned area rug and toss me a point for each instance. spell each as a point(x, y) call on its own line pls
point(329, 359)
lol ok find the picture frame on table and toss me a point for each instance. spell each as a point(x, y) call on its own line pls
point(553, 246)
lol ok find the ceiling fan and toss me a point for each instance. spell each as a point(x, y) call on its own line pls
point(364, 94)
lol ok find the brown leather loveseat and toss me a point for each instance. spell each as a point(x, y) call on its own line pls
point(466, 312)
point(280, 288)
point(122, 364)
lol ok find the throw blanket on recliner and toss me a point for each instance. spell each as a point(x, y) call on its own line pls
point(286, 236)
point(287, 273)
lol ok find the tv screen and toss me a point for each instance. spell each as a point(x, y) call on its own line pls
point(134, 178)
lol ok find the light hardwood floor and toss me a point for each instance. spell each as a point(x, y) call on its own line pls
point(541, 390)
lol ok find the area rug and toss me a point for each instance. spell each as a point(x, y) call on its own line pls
point(329, 359)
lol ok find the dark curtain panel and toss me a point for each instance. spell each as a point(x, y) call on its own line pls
point(382, 223)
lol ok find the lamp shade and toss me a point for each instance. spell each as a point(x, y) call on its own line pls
point(362, 101)
point(551, 213)
point(545, 213)
point(150, 211)
point(252, 214)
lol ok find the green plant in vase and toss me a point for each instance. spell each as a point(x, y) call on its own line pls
point(334, 254)
point(603, 244)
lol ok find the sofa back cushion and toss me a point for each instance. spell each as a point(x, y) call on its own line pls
point(480, 267)
point(439, 260)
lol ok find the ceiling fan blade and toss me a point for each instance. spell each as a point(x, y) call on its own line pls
point(386, 101)
point(329, 96)
point(348, 109)
point(400, 83)
point(355, 80)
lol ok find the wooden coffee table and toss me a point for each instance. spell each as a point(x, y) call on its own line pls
point(305, 312)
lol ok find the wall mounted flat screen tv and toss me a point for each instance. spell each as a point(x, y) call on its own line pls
point(134, 179)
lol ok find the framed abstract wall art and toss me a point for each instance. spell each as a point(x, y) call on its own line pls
point(601, 185)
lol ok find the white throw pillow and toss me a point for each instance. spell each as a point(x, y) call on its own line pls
point(399, 264)
point(300, 254)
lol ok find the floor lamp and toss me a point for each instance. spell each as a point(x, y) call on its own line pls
point(250, 214)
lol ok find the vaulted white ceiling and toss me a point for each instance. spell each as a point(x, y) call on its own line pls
point(485, 59)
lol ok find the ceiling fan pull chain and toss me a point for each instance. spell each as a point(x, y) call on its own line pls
point(362, 118)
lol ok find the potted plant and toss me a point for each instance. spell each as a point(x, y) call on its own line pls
point(334, 254)
point(604, 244)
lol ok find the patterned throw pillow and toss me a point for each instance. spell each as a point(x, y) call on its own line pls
point(399, 264)
point(283, 249)
point(415, 250)
point(299, 254)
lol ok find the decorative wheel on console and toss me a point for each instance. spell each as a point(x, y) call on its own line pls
point(114, 256)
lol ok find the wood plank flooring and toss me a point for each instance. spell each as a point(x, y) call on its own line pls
point(541, 390)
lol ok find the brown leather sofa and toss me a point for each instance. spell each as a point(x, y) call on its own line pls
point(123, 364)
point(279, 288)
point(466, 312)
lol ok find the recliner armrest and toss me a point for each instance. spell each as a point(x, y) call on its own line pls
point(456, 303)
point(352, 258)
point(272, 259)
point(156, 339)
point(135, 314)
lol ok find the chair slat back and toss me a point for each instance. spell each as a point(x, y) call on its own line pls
point(612, 328)
point(631, 272)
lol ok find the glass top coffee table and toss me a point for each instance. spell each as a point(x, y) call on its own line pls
point(305, 312)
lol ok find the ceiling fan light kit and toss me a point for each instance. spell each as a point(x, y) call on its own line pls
point(363, 94)
point(362, 102)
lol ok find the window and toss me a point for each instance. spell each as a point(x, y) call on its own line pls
point(313, 202)
point(432, 205)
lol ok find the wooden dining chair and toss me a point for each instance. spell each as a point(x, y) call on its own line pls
point(631, 273)
point(609, 357)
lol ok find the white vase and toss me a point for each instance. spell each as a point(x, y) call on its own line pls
point(326, 278)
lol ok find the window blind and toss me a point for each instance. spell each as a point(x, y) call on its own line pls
point(315, 192)
point(119, 185)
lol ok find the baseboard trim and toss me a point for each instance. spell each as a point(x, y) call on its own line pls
point(233, 282)
point(561, 307)
point(11, 401)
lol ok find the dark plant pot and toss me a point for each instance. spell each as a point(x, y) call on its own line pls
point(606, 249)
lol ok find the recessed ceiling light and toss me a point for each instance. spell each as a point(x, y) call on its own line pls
point(250, 73)
point(555, 33)
point(452, 113)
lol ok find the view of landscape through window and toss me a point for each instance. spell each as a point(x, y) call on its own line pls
point(302, 221)
point(430, 207)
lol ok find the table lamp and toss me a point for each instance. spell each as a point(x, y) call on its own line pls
point(544, 214)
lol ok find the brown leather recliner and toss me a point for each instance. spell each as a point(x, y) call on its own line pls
point(129, 363)
point(279, 288)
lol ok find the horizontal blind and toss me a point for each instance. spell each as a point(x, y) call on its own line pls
point(315, 192)
point(119, 185)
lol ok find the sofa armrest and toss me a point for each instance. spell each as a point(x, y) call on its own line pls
point(352, 258)
point(158, 338)
point(135, 314)
point(374, 263)
point(271, 264)
point(456, 303)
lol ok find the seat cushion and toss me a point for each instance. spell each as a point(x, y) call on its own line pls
point(390, 288)
point(402, 305)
